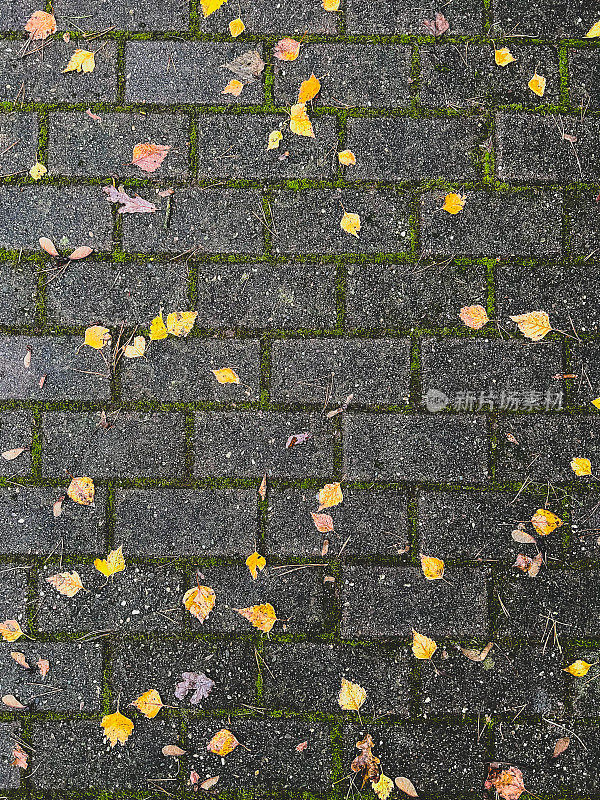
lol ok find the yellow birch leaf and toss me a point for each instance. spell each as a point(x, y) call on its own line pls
point(67, 583)
point(255, 563)
point(545, 521)
point(236, 27)
point(274, 138)
point(578, 668)
point(594, 31)
point(149, 703)
point(81, 490)
point(234, 87)
point(180, 323)
point(581, 466)
point(422, 646)
point(81, 61)
point(222, 743)
point(537, 84)
point(330, 495)
point(503, 57)
point(261, 616)
point(350, 223)
point(210, 6)
point(454, 203)
point(534, 325)
point(309, 89)
point(347, 158)
point(158, 329)
point(433, 568)
point(351, 696)
point(38, 171)
point(331, 5)
point(596, 403)
point(199, 601)
point(10, 630)
point(113, 563)
point(225, 375)
point(117, 728)
point(474, 316)
point(97, 336)
point(40, 25)
point(299, 121)
point(135, 350)
point(383, 787)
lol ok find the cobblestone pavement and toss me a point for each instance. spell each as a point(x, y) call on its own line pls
point(452, 438)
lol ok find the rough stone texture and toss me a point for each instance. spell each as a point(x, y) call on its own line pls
point(583, 67)
point(584, 236)
point(15, 431)
point(550, 19)
point(18, 142)
point(18, 286)
point(400, 16)
point(9, 776)
point(584, 541)
point(13, 595)
point(148, 15)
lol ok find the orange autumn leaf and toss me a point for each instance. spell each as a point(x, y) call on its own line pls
point(148, 157)
point(10, 630)
point(81, 490)
point(222, 743)
point(534, 325)
point(347, 158)
point(545, 521)
point(199, 601)
point(117, 728)
point(40, 25)
point(454, 203)
point(323, 522)
point(299, 121)
point(236, 27)
point(351, 696)
point(350, 223)
point(537, 84)
point(433, 568)
point(149, 703)
point(261, 616)
point(234, 87)
point(503, 57)
point(225, 375)
point(474, 316)
point(19, 757)
point(286, 49)
point(67, 583)
point(330, 495)
point(422, 646)
point(255, 563)
point(309, 89)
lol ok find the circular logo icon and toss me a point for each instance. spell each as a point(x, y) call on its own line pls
point(435, 400)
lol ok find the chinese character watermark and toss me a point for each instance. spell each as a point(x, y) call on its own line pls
point(494, 400)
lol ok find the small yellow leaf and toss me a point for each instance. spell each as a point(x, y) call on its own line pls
point(596, 403)
point(274, 138)
point(578, 668)
point(222, 743)
point(594, 31)
point(210, 6)
point(225, 375)
point(331, 5)
point(299, 121)
point(422, 646)
point(581, 466)
point(537, 84)
point(10, 630)
point(67, 583)
point(234, 87)
point(199, 601)
point(350, 223)
point(149, 703)
point(158, 329)
point(97, 336)
point(454, 203)
point(545, 521)
point(433, 568)
point(117, 728)
point(113, 563)
point(383, 787)
point(351, 696)
point(330, 495)
point(261, 616)
point(135, 350)
point(347, 158)
point(309, 89)
point(503, 57)
point(180, 323)
point(534, 325)
point(81, 490)
point(255, 563)
point(236, 26)
point(474, 316)
point(81, 61)
point(38, 171)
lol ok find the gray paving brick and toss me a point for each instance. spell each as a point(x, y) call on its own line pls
point(235, 146)
point(15, 431)
point(401, 16)
point(451, 78)
point(16, 15)
point(532, 148)
point(266, 295)
point(18, 288)
point(583, 214)
point(68, 368)
point(309, 221)
point(185, 72)
point(585, 366)
point(13, 595)
point(367, 522)
point(311, 370)
point(390, 601)
point(71, 214)
point(546, 446)
point(9, 775)
point(180, 370)
point(78, 145)
point(132, 293)
point(271, 758)
point(248, 445)
point(307, 676)
point(585, 529)
point(210, 221)
point(415, 448)
point(585, 692)
point(18, 142)
point(381, 295)
point(262, 17)
point(73, 682)
point(148, 15)
point(583, 71)
point(26, 516)
point(550, 19)
point(136, 444)
point(403, 148)
point(139, 599)
point(356, 75)
point(168, 521)
point(39, 77)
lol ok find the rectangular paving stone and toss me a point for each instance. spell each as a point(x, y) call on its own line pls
point(18, 290)
point(207, 522)
point(75, 214)
point(9, 775)
point(39, 77)
point(415, 448)
point(584, 239)
point(201, 221)
point(136, 444)
point(68, 369)
point(248, 445)
point(271, 759)
point(130, 293)
point(367, 523)
point(492, 223)
point(173, 72)
point(357, 75)
point(532, 148)
point(309, 221)
point(401, 148)
point(402, 16)
point(312, 370)
point(584, 692)
point(467, 77)
point(547, 443)
point(283, 16)
point(551, 19)
point(31, 528)
point(585, 529)
point(15, 431)
point(231, 665)
point(235, 146)
point(16, 15)
point(78, 145)
point(181, 370)
point(403, 295)
point(13, 594)
point(139, 599)
point(583, 73)
point(18, 142)
point(164, 15)
point(391, 601)
point(305, 676)
point(584, 362)
point(73, 683)
point(266, 295)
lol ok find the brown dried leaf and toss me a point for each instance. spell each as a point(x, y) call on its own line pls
point(323, 522)
point(48, 245)
point(20, 659)
point(437, 26)
point(10, 455)
point(507, 782)
point(172, 750)
point(130, 205)
point(247, 67)
point(209, 783)
point(560, 746)
point(476, 655)
point(148, 156)
point(262, 489)
point(366, 764)
point(522, 537)
point(19, 757)
point(11, 701)
point(406, 786)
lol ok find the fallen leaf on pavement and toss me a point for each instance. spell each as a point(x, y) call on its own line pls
point(19, 757)
point(522, 537)
point(148, 157)
point(210, 6)
point(331, 5)
point(80, 252)
point(406, 786)
point(262, 489)
point(172, 750)
point(81, 61)
point(537, 84)
point(531, 566)
point(298, 438)
point(383, 787)
point(299, 121)
point(330, 495)
point(93, 116)
point(117, 728)
point(20, 659)
point(560, 746)
point(437, 26)
point(261, 616)
point(545, 521)
point(48, 245)
point(286, 49)
point(247, 66)
point(200, 683)
point(300, 748)
point(11, 701)
point(180, 323)
point(199, 601)
point(113, 563)
point(148, 703)
point(366, 764)
point(350, 223)
point(474, 316)
point(594, 31)
point(209, 783)
point(274, 138)
point(309, 89)
point(225, 375)
point(10, 455)
point(433, 568)
point(323, 522)
point(581, 466)
point(351, 696)
point(135, 350)
point(234, 87)
point(44, 666)
point(347, 158)
point(40, 25)
point(236, 27)
point(222, 743)
point(578, 668)
point(534, 325)
point(57, 506)
point(10, 630)
point(454, 203)
point(503, 57)
point(67, 583)
point(476, 655)
point(37, 171)
point(130, 205)
point(422, 646)
point(81, 490)
point(507, 782)
point(255, 563)
point(97, 336)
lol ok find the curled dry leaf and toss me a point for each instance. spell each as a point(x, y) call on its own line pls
point(225, 375)
point(209, 783)
point(531, 566)
point(194, 778)
point(383, 787)
point(476, 655)
point(422, 646)
point(148, 703)
point(15, 452)
point(11, 701)
point(148, 156)
point(57, 506)
point(406, 786)
point(454, 203)
point(560, 746)
point(200, 683)
point(199, 601)
point(236, 27)
point(67, 583)
point(261, 616)
point(298, 438)
point(80, 252)
point(537, 84)
point(347, 158)
point(129, 205)
point(438, 25)
point(581, 466)
point(545, 521)
point(222, 743)
point(350, 223)
point(286, 49)
point(10, 630)
point(93, 116)
point(48, 246)
point(234, 87)
point(27, 357)
point(578, 668)
point(113, 563)
point(534, 325)
point(522, 537)
point(274, 138)
point(19, 757)
point(81, 61)
point(507, 782)
point(474, 316)
point(256, 563)
point(172, 750)
point(309, 89)
point(299, 121)
point(433, 568)
point(40, 25)
point(117, 728)
point(351, 696)
point(330, 495)
point(44, 666)
point(262, 489)
point(97, 337)
point(323, 522)
point(503, 57)
point(135, 350)
point(300, 748)
point(366, 764)
point(20, 659)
